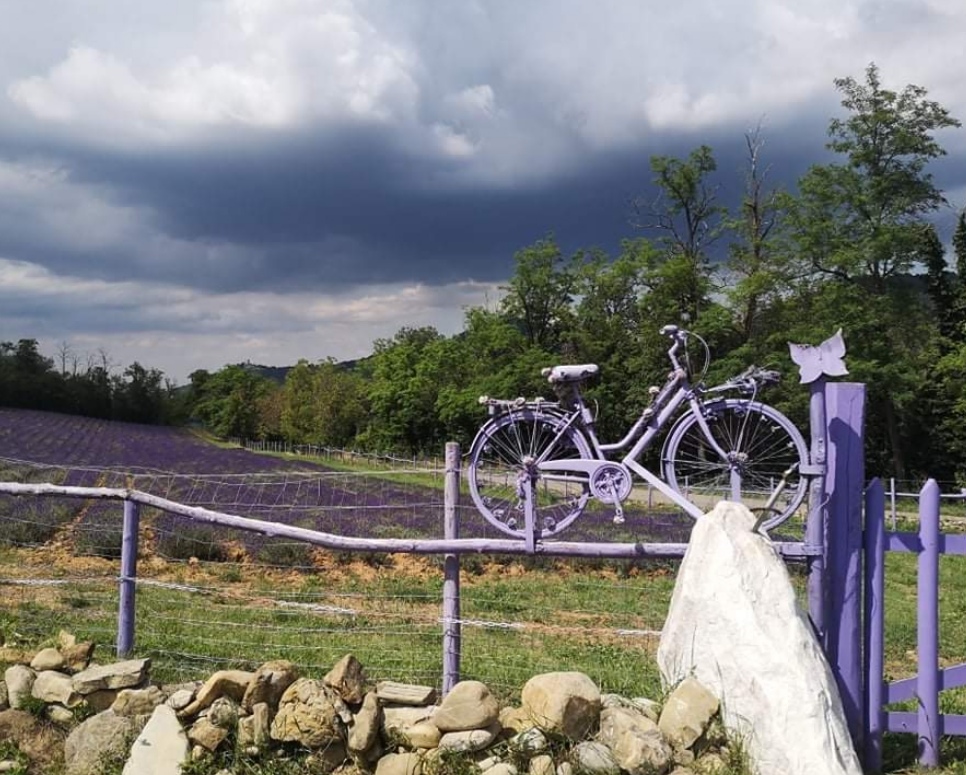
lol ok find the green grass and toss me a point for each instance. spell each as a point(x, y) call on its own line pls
point(519, 624)
point(528, 616)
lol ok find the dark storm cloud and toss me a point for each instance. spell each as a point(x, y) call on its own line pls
point(356, 210)
point(233, 178)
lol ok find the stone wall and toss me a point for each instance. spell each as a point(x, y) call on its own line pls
point(344, 723)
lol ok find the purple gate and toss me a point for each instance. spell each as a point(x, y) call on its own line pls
point(929, 543)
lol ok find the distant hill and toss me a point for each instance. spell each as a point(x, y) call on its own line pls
point(278, 373)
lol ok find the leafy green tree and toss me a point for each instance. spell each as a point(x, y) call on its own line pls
point(613, 328)
point(298, 414)
point(688, 219)
point(861, 220)
point(322, 404)
point(959, 286)
point(402, 393)
point(229, 402)
point(940, 287)
point(862, 223)
point(538, 295)
point(139, 395)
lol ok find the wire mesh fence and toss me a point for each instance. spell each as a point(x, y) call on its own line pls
point(194, 617)
point(211, 597)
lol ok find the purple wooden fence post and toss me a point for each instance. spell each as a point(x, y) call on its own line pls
point(815, 526)
point(451, 570)
point(874, 624)
point(129, 570)
point(927, 637)
point(528, 482)
point(845, 414)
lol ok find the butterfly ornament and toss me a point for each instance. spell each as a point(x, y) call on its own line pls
point(824, 360)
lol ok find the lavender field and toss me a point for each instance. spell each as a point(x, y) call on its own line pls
point(181, 466)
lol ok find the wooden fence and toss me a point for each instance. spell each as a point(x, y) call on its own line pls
point(929, 543)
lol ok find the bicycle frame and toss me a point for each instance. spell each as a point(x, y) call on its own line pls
point(676, 392)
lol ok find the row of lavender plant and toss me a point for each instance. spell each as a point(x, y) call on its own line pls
point(179, 465)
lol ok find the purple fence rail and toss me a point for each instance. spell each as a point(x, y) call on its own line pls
point(929, 543)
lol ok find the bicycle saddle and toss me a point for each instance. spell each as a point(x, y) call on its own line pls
point(560, 374)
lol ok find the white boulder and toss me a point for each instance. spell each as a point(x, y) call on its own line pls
point(735, 626)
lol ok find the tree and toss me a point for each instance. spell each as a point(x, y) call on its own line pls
point(229, 402)
point(322, 404)
point(758, 263)
point(861, 220)
point(139, 395)
point(959, 286)
point(687, 217)
point(402, 392)
point(538, 295)
point(939, 282)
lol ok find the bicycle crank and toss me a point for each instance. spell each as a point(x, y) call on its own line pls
point(610, 482)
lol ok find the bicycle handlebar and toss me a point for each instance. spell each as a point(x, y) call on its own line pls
point(753, 376)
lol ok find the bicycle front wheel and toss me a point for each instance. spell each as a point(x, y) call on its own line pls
point(505, 450)
point(765, 455)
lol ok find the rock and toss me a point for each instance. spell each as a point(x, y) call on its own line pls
point(77, 656)
point(396, 718)
point(530, 741)
point(637, 744)
point(593, 758)
point(161, 748)
point(684, 757)
point(734, 625)
point(20, 681)
point(711, 764)
point(568, 703)
point(117, 675)
point(223, 713)
point(390, 692)
point(254, 730)
point(400, 764)
point(348, 679)
point(48, 659)
point(59, 714)
point(224, 683)
point(309, 713)
point(687, 712)
point(565, 768)
point(137, 702)
point(422, 734)
point(180, 699)
point(205, 734)
point(649, 708)
point(541, 765)
point(365, 725)
point(51, 686)
point(15, 656)
point(516, 719)
point(102, 699)
point(502, 768)
point(269, 684)
point(105, 734)
point(469, 705)
point(468, 740)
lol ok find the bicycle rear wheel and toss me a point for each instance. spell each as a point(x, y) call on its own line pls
point(762, 447)
point(509, 446)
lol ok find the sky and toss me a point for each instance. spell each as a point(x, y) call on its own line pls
point(193, 183)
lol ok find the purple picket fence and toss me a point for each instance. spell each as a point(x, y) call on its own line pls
point(929, 543)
